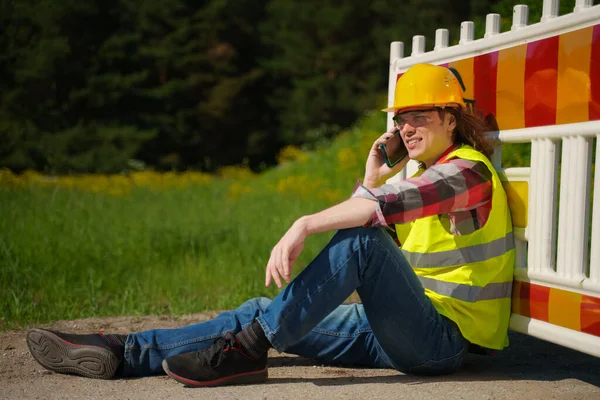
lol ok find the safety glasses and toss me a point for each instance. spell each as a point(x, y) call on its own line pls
point(415, 119)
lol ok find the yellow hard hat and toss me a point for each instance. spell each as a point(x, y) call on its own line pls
point(426, 85)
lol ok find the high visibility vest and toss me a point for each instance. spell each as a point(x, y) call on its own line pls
point(468, 278)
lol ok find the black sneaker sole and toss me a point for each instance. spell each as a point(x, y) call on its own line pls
point(63, 357)
point(247, 378)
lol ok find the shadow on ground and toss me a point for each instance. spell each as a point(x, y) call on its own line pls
point(527, 358)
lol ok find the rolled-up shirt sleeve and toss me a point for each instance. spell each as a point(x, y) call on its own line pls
point(377, 218)
point(454, 185)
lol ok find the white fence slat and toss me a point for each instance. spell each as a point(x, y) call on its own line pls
point(533, 256)
point(520, 17)
point(581, 205)
point(565, 227)
point(565, 217)
point(492, 25)
point(441, 39)
point(581, 5)
point(550, 10)
point(396, 53)
point(467, 32)
point(418, 45)
point(548, 191)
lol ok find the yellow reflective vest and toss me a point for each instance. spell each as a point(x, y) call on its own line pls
point(468, 278)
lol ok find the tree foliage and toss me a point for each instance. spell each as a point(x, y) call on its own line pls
point(93, 86)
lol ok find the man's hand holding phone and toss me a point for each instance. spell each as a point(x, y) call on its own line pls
point(393, 149)
point(387, 157)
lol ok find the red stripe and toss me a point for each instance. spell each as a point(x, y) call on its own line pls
point(594, 106)
point(533, 302)
point(590, 315)
point(485, 67)
point(541, 82)
point(525, 300)
point(538, 306)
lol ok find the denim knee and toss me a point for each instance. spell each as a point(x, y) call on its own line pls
point(259, 304)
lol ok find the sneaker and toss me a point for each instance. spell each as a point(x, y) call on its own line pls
point(93, 356)
point(223, 363)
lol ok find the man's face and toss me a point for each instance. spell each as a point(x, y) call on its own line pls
point(425, 134)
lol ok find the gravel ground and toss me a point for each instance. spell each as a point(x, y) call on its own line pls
point(529, 369)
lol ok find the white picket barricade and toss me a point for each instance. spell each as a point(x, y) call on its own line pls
point(542, 84)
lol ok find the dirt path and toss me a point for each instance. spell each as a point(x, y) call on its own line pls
point(529, 369)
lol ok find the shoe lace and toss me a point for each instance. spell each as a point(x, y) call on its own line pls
point(214, 355)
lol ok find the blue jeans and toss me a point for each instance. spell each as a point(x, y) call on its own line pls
point(396, 326)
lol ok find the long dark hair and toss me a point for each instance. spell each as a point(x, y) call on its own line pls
point(471, 129)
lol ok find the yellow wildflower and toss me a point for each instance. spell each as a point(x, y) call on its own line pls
point(237, 190)
point(291, 153)
point(236, 172)
point(302, 185)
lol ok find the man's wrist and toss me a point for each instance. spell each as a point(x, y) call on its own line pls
point(303, 224)
point(370, 183)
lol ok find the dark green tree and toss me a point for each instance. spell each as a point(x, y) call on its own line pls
point(206, 88)
point(90, 86)
point(58, 99)
point(330, 58)
point(85, 85)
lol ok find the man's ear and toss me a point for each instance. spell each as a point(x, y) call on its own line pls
point(451, 122)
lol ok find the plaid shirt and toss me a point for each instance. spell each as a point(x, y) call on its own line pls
point(458, 190)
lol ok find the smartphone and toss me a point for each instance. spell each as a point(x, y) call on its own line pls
point(393, 150)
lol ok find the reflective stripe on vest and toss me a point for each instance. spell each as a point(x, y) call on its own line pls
point(465, 255)
point(468, 293)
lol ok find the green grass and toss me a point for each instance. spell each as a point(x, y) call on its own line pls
point(67, 254)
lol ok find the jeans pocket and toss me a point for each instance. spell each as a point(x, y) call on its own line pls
point(439, 367)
